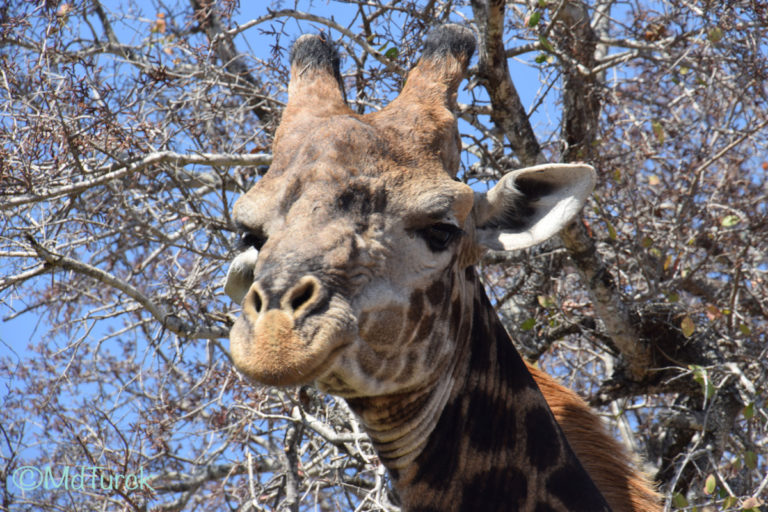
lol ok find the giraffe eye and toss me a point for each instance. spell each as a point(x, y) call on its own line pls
point(249, 239)
point(440, 236)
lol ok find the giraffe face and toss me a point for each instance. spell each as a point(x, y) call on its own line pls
point(358, 236)
point(337, 256)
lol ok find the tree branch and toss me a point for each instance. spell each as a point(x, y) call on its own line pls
point(169, 321)
point(119, 170)
point(390, 64)
point(507, 112)
point(224, 47)
point(581, 113)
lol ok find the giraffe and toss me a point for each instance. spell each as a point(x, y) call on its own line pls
point(358, 274)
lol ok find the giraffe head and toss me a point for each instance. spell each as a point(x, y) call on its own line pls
point(359, 238)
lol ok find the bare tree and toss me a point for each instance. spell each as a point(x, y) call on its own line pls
point(127, 131)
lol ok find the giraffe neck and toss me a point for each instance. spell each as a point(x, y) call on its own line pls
point(482, 436)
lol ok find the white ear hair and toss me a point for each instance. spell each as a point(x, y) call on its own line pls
point(240, 275)
point(530, 205)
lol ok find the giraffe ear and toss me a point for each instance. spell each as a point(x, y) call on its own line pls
point(530, 205)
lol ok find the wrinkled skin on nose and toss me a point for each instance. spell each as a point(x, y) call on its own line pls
point(299, 310)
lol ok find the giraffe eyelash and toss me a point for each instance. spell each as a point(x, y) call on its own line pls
point(248, 239)
point(440, 236)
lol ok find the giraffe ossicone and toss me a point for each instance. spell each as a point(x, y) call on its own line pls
point(360, 277)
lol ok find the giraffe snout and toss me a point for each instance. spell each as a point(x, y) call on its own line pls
point(284, 336)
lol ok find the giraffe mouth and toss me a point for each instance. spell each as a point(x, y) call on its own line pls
point(273, 352)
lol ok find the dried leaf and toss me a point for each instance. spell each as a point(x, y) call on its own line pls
point(658, 131)
point(715, 34)
point(160, 25)
point(668, 262)
point(752, 503)
point(687, 326)
point(713, 312)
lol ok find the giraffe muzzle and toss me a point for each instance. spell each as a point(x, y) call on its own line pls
point(282, 339)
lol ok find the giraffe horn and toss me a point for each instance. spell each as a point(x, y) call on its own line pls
point(424, 111)
point(315, 87)
point(443, 64)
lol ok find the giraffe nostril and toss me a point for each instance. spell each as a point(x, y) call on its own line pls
point(302, 294)
point(257, 302)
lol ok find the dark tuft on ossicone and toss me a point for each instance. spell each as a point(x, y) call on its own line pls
point(454, 39)
point(316, 51)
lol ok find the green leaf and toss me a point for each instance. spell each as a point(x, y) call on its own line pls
point(687, 326)
point(534, 18)
point(545, 44)
point(730, 502)
point(542, 3)
point(679, 501)
point(730, 220)
point(611, 231)
point(744, 329)
point(710, 484)
point(529, 324)
point(700, 376)
point(392, 53)
point(750, 459)
point(749, 411)
point(546, 301)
